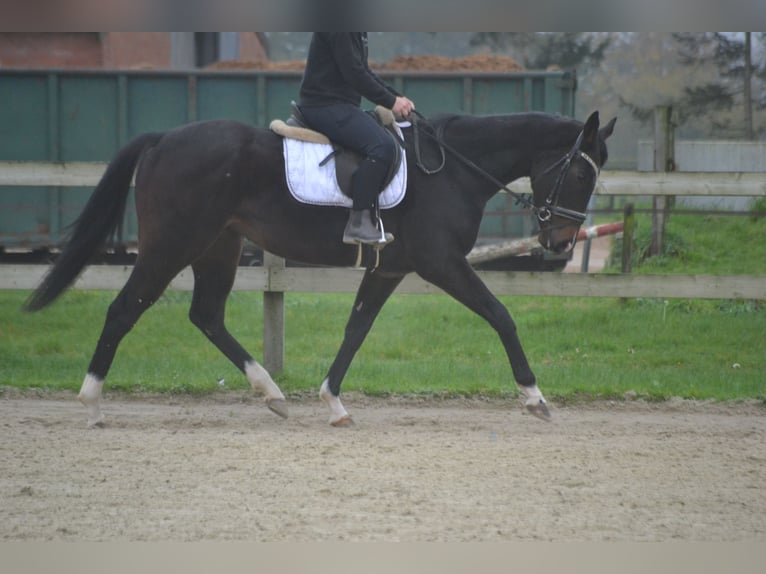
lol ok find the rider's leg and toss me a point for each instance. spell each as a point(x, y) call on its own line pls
point(365, 185)
point(353, 128)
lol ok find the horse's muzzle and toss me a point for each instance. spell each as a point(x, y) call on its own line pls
point(559, 240)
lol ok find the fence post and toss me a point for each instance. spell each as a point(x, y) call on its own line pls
point(664, 154)
point(585, 262)
point(273, 319)
point(628, 233)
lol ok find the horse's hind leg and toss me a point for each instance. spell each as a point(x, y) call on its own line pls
point(373, 292)
point(143, 288)
point(214, 276)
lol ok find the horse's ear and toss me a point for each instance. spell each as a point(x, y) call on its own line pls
point(607, 130)
point(590, 131)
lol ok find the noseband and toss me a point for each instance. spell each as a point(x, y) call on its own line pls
point(551, 207)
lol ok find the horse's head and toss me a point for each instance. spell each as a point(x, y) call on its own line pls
point(562, 187)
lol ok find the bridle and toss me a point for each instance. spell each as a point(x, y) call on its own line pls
point(550, 207)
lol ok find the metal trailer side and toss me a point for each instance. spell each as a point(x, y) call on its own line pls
point(86, 115)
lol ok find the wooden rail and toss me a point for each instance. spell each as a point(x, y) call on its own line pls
point(87, 174)
point(345, 280)
point(275, 279)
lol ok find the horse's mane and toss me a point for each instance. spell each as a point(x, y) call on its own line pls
point(547, 127)
point(544, 120)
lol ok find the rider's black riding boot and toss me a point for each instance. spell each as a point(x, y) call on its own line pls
point(361, 228)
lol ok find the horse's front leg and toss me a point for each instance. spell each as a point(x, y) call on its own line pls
point(373, 292)
point(458, 279)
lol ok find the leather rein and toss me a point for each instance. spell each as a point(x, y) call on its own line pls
point(544, 213)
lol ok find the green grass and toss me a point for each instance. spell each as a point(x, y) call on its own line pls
point(700, 244)
point(429, 344)
point(419, 345)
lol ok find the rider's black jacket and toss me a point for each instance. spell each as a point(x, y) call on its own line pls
point(337, 71)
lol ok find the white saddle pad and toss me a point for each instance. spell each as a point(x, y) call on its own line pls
point(316, 185)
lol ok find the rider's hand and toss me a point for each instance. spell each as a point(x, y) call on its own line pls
point(403, 107)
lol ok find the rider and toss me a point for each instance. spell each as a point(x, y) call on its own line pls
point(336, 78)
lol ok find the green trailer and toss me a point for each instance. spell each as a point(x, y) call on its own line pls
point(65, 115)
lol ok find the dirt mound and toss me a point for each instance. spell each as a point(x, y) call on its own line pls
point(424, 63)
point(432, 63)
point(265, 65)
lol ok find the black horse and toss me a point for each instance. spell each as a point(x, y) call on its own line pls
point(202, 187)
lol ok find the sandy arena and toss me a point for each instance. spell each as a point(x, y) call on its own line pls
point(225, 468)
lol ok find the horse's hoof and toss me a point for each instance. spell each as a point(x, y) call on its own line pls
point(538, 408)
point(97, 422)
point(95, 416)
point(343, 422)
point(278, 406)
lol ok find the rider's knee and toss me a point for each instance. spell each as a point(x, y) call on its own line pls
point(384, 152)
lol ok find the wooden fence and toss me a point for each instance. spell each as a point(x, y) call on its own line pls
point(278, 279)
point(87, 174)
point(274, 279)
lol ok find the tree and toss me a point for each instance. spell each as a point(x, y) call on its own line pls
point(541, 50)
point(732, 57)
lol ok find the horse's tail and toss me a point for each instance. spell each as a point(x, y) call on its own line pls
point(97, 222)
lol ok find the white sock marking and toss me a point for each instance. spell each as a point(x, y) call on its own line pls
point(90, 396)
point(261, 381)
point(532, 395)
point(337, 412)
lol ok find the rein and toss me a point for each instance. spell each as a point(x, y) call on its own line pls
point(438, 137)
point(544, 213)
point(522, 199)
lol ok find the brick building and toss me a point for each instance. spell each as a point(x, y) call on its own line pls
point(110, 50)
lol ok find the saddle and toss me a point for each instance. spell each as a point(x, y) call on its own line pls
point(346, 160)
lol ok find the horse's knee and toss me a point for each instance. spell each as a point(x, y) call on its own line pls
point(197, 319)
point(209, 323)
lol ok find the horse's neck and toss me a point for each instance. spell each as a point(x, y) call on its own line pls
point(505, 146)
